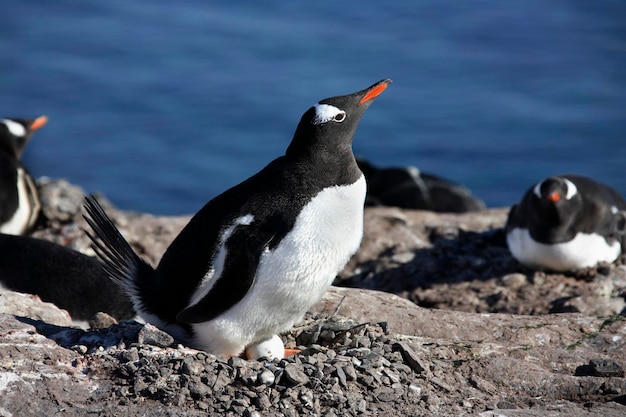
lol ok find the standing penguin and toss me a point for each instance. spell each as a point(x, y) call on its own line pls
point(251, 262)
point(19, 200)
point(567, 222)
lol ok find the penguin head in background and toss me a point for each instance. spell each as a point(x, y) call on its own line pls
point(15, 134)
point(332, 121)
point(556, 199)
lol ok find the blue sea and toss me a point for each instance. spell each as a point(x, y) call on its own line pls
point(162, 105)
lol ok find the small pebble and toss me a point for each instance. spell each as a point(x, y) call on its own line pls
point(605, 368)
point(82, 349)
point(267, 377)
point(415, 389)
point(515, 280)
point(295, 375)
point(410, 357)
point(150, 335)
point(101, 321)
point(192, 367)
point(341, 375)
point(403, 258)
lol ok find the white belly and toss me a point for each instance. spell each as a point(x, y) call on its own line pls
point(583, 251)
point(22, 219)
point(294, 275)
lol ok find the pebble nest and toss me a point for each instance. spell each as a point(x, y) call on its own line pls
point(344, 368)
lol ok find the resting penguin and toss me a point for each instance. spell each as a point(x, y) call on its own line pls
point(62, 276)
point(253, 260)
point(409, 188)
point(567, 222)
point(19, 200)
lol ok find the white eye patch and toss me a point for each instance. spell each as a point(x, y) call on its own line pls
point(537, 189)
point(571, 189)
point(324, 113)
point(15, 128)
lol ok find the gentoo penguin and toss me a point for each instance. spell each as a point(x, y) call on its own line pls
point(251, 262)
point(409, 188)
point(19, 201)
point(62, 276)
point(567, 222)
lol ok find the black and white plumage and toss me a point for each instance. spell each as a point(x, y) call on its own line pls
point(69, 279)
point(409, 188)
point(253, 260)
point(19, 200)
point(567, 222)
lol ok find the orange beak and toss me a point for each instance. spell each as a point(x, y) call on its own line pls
point(554, 197)
point(38, 122)
point(374, 92)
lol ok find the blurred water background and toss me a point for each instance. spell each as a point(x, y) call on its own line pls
point(162, 105)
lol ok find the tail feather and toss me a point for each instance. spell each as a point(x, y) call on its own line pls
point(118, 258)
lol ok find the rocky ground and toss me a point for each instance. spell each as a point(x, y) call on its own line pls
point(468, 332)
point(462, 263)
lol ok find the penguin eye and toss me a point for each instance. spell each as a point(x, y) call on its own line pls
point(325, 113)
point(340, 117)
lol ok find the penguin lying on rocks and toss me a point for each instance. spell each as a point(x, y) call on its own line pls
point(19, 200)
point(253, 260)
point(409, 188)
point(567, 222)
point(62, 276)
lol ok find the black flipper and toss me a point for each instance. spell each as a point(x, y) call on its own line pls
point(513, 221)
point(239, 270)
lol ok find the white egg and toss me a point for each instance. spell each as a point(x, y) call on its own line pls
point(271, 349)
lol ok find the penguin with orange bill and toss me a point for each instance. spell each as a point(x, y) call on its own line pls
point(251, 262)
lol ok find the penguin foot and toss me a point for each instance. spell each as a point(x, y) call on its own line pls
point(291, 352)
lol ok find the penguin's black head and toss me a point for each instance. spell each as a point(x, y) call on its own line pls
point(330, 124)
point(15, 133)
point(555, 197)
point(555, 189)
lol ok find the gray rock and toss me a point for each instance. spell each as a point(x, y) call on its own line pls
point(267, 377)
point(410, 357)
point(295, 375)
point(606, 368)
point(192, 366)
point(60, 200)
point(101, 321)
point(341, 376)
point(151, 335)
point(27, 305)
point(515, 280)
